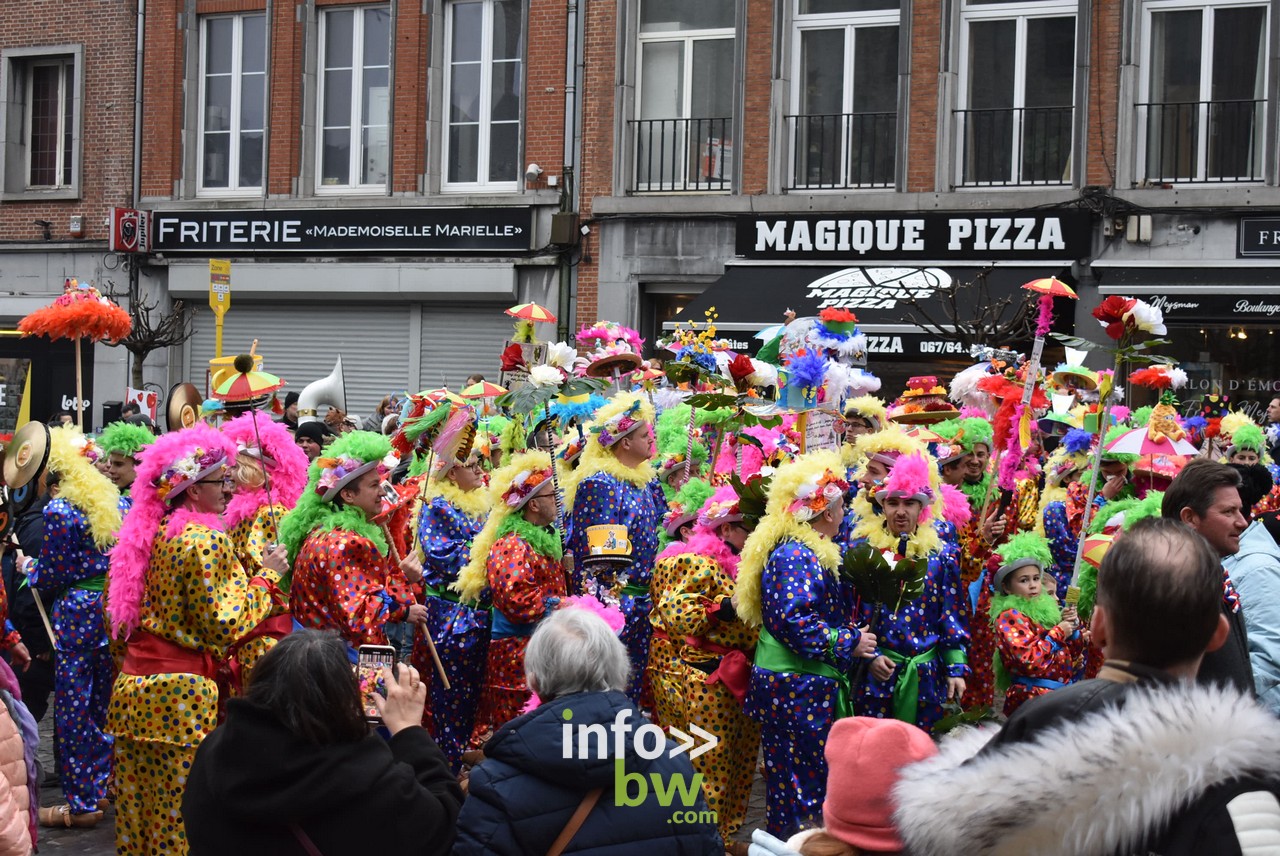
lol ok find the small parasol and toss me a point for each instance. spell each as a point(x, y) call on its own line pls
point(81, 312)
point(246, 383)
point(435, 396)
point(483, 389)
point(531, 312)
point(1139, 442)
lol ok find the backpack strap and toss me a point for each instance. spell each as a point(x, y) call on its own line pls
point(575, 822)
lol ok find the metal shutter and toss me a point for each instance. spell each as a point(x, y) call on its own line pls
point(459, 341)
point(301, 341)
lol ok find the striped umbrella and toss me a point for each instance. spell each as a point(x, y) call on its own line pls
point(532, 312)
point(483, 389)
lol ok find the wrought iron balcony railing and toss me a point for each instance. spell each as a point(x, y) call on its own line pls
point(842, 150)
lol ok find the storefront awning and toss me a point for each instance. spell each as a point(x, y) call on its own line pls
point(886, 298)
point(1198, 294)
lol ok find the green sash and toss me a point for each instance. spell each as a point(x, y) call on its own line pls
point(776, 657)
point(444, 594)
point(635, 591)
point(906, 692)
point(98, 583)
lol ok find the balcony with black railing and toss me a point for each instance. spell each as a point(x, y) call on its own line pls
point(842, 151)
point(683, 155)
point(1201, 141)
point(1014, 146)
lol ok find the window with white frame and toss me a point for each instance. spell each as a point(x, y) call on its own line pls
point(843, 130)
point(1203, 111)
point(1016, 92)
point(40, 123)
point(484, 82)
point(683, 131)
point(233, 91)
point(355, 99)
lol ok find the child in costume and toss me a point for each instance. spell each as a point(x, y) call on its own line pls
point(518, 556)
point(1039, 646)
point(178, 593)
point(713, 646)
point(121, 443)
point(455, 503)
point(920, 662)
point(809, 636)
point(80, 525)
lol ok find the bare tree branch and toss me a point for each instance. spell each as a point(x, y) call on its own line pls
point(153, 328)
point(973, 317)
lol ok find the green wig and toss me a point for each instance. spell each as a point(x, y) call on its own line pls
point(1248, 437)
point(313, 513)
point(124, 438)
point(1026, 545)
point(693, 495)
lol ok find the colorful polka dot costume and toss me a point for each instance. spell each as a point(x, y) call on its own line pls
point(602, 498)
point(927, 637)
point(689, 609)
point(525, 585)
point(198, 605)
point(342, 583)
point(1038, 659)
point(811, 615)
point(70, 575)
point(460, 631)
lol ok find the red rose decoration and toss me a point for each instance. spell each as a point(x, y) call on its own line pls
point(740, 368)
point(1111, 313)
point(512, 358)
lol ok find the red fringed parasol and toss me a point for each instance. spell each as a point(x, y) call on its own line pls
point(81, 312)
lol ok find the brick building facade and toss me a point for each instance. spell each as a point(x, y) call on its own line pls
point(1154, 120)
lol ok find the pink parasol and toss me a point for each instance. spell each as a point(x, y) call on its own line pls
point(1139, 442)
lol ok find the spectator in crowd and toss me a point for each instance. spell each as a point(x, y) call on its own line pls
point(1141, 759)
point(373, 422)
point(1206, 497)
point(290, 417)
point(864, 755)
point(1273, 428)
point(130, 408)
point(1255, 569)
point(19, 793)
point(473, 379)
point(525, 794)
point(312, 437)
point(296, 763)
point(61, 417)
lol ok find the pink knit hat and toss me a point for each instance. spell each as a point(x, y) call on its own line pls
point(864, 756)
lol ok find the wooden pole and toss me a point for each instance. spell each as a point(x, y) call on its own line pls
point(79, 388)
point(422, 625)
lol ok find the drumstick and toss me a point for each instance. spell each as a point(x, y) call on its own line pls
point(422, 625)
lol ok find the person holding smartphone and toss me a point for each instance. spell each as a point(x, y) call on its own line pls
point(296, 768)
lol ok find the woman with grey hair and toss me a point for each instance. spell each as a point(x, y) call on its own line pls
point(584, 769)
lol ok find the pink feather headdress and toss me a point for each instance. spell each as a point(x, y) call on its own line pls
point(909, 478)
point(286, 464)
point(132, 554)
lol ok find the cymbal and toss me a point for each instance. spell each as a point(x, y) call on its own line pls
point(26, 455)
point(182, 408)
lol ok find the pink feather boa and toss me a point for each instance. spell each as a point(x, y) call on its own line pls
point(131, 555)
point(1012, 460)
point(705, 543)
point(288, 476)
point(955, 506)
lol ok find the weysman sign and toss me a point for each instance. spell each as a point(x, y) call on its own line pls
point(1060, 235)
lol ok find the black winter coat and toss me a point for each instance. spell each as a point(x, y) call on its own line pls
point(524, 793)
point(252, 777)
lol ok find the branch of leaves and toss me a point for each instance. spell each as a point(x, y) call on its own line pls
point(877, 581)
point(529, 397)
point(1131, 353)
point(742, 417)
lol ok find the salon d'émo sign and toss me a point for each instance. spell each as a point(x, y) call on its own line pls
point(1060, 235)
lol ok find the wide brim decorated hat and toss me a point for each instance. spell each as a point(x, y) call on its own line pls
point(610, 348)
point(1074, 377)
point(923, 402)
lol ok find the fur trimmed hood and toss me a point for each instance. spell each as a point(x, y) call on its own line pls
point(1093, 787)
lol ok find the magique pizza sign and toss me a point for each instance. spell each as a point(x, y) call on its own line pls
point(1034, 236)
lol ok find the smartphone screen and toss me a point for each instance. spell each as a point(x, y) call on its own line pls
point(370, 662)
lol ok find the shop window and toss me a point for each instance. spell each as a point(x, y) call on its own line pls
point(233, 89)
point(1017, 81)
point(684, 125)
point(844, 129)
point(485, 85)
point(40, 125)
point(355, 94)
point(1203, 114)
